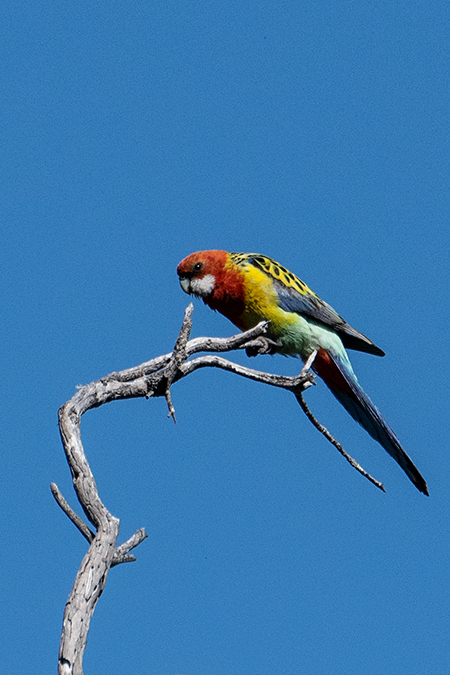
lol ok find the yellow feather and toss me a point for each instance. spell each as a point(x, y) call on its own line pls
point(274, 269)
point(261, 298)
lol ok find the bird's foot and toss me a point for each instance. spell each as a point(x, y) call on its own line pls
point(262, 345)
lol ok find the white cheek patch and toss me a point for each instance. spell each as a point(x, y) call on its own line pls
point(203, 287)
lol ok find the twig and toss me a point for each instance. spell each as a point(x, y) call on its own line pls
point(76, 520)
point(178, 356)
point(301, 382)
point(323, 430)
point(121, 552)
point(308, 363)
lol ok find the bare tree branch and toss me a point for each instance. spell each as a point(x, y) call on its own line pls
point(178, 357)
point(150, 379)
point(325, 431)
point(336, 443)
point(122, 551)
point(76, 520)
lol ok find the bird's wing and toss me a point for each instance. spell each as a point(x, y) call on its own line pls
point(295, 296)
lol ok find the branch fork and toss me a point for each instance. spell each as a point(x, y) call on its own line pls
point(150, 379)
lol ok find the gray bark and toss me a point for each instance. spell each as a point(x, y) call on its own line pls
point(153, 378)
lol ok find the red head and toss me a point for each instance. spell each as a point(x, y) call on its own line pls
point(199, 272)
point(212, 276)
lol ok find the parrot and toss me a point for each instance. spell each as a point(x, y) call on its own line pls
point(248, 288)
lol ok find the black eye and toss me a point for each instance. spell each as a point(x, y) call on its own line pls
point(197, 267)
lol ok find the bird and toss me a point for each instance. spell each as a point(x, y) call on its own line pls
point(249, 287)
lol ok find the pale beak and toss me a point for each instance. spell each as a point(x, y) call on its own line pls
point(185, 284)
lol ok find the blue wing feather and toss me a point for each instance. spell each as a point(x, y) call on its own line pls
point(295, 296)
point(312, 306)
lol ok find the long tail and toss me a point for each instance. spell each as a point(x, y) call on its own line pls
point(344, 386)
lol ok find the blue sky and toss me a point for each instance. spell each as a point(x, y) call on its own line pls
point(133, 134)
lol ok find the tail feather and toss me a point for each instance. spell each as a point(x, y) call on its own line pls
point(345, 387)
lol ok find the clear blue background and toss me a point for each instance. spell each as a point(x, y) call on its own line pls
point(133, 133)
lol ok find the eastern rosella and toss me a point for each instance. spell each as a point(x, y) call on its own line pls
point(248, 288)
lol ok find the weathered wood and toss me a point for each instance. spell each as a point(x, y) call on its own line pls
point(152, 378)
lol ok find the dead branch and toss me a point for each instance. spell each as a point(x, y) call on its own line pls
point(150, 379)
point(336, 443)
